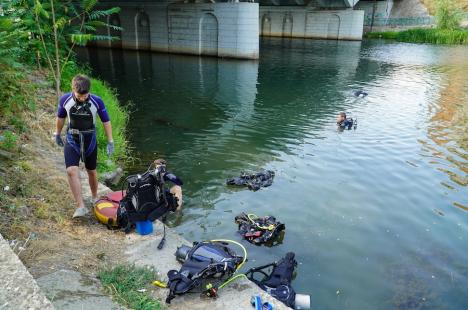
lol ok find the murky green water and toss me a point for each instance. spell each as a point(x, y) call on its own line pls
point(377, 216)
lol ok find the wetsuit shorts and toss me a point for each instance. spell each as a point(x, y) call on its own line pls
point(72, 157)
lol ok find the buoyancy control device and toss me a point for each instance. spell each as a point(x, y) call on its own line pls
point(254, 181)
point(146, 198)
point(277, 283)
point(259, 230)
point(205, 266)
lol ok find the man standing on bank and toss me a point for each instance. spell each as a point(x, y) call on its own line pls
point(81, 108)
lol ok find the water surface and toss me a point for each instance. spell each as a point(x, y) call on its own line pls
point(377, 216)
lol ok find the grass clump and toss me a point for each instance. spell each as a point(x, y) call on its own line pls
point(124, 283)
point(434, 36)
point(448, 14)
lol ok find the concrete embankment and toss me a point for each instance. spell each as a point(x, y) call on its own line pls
point(18, 289)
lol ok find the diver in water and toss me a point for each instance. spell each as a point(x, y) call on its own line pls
point(360, 94)
point(345, 122)
point(81, 108)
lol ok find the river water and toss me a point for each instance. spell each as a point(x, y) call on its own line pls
point(377, 216)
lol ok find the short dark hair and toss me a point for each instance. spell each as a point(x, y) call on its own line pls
point(81, 84)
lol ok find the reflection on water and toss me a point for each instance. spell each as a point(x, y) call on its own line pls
point(448, 127)
point(369, 212)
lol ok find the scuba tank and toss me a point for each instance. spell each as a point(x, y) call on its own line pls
point(278, 282)
point(205, 265)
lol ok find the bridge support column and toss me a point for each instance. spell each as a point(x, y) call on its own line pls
point(215, 29)
point(301, 22)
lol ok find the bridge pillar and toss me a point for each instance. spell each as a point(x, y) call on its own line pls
point(303, 22)
point(215, 29)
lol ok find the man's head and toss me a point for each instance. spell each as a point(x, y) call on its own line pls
point(341, 117)
point(80, 87)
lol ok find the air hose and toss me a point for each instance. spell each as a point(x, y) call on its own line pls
point(238, 267)
point(252, 218)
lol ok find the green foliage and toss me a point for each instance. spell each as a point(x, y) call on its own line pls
point(9, 140)
point(448, 15)
point(125, 281)
point(434, 36)
point(55, 27)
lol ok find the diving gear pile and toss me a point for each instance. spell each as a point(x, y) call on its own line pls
point(258, 230)
point(204, 267)
point(253, 181)
point(278, 282)
point(143, 198)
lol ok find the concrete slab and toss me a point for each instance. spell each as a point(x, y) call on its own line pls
point(18, 290)
point(70, 290)
point(142, 250)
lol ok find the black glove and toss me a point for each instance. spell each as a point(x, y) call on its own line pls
point(58, 140)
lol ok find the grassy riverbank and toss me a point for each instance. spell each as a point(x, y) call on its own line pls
point(434, 36)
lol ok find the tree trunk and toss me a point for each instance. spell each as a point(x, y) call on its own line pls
point(58, 75)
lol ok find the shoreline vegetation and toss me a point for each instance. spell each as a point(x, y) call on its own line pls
point(423, 35)
point(449, 15)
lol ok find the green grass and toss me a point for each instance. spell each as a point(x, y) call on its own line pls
point(124, 281)
point(434, 36)
point(117, 114)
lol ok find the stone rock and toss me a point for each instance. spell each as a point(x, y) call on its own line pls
point(113, 178)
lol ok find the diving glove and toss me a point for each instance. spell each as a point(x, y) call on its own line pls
point(110, 148)
point(58, 139)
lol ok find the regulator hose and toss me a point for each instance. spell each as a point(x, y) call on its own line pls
point(238, 267)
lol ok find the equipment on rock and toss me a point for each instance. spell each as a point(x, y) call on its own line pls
point(277, 283)
point(253, 181)
point(258, 230)
point(205, 266)
point(142, 198)
point(105, 209)
point(256, 302)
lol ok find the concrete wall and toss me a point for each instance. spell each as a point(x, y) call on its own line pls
point(300, 22)
point(380, 9)
point(18, 289)
point(216, 29)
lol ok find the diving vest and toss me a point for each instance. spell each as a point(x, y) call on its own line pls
point(278, 282)
point(80, 116)
point(204, 267)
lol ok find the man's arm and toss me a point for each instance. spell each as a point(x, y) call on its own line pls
point(59, 125)
point(108, 131)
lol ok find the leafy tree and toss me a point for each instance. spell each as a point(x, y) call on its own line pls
point(13, 40)
point(56, 27)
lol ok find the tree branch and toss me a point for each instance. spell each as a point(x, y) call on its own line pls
point(43, 44)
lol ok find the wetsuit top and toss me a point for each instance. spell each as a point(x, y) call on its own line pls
point(82, 116)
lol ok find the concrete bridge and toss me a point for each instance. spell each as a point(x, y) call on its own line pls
point(229, 29)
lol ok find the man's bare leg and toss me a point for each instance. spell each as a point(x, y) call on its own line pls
point(177, 192)
point(93, 183)
point(75, 185)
